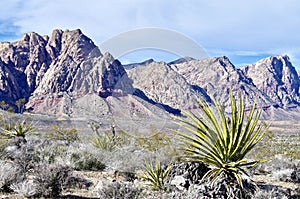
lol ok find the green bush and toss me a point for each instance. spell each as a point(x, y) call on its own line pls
point(154, 142)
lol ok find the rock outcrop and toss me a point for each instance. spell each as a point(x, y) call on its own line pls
point(65, 73)
point(67, 63)
point(276, 77)
point(217, 76)
point(164, 85)
point(25, 62)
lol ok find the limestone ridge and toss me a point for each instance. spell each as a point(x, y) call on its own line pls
point(66, 62)
point(28, 59)
point(163, 84)
point(278, 78)
point(217, 76)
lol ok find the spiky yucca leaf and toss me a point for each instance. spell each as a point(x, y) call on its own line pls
point(155, 174)
point(223, 142)
point(19, 130)
point(104, 142)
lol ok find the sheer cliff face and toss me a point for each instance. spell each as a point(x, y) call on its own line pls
point(67, 61)
point(276, 77)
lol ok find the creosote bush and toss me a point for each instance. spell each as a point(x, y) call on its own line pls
point(87, 162)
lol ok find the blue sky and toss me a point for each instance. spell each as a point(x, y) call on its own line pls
point(245, 31)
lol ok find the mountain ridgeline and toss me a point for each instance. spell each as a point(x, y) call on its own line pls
point(66, 74)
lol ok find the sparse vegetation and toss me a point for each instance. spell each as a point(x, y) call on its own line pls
point(87, 162)
point(125, 190)
point(20, 103)
point(63, 134)
point(105, 142)
point(48, 163)
point(154, 142)
point(287, 145)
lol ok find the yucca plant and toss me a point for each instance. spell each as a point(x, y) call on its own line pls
point(223, 141)
point(105, 142)
point(156, 174)
point(20, 129)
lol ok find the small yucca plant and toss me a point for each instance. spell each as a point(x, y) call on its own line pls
point(223, 142)
point(156, 174)
point(20, 129)
point(105, 142)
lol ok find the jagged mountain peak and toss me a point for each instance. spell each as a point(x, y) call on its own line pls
point(144, 63)
point(217, 76)
point(37, 64)
point(30, 36)
point(182, 60)
point(277, 77)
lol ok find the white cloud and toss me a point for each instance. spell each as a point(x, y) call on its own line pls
point(233, 26)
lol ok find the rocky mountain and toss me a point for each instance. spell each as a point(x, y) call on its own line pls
point(217, 76)
point(276, 77)
point(25, 62)
point(66, 74)
point(164, 85)
point(180, 82)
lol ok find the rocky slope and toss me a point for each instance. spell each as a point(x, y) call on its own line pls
point(67, 74)
point(276, 77)
point(217, 76)
point(25, 62)
point(164, 85)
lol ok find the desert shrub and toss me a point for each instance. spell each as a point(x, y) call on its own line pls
point(87, 162)
point(48, 152)
point(118, 190)
point(52, 179)
point(24, 157)
point(63, 134)
point(156, 173)
point(9, 174)
point(223, 142)
point(24, 188)
point(3, 144)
